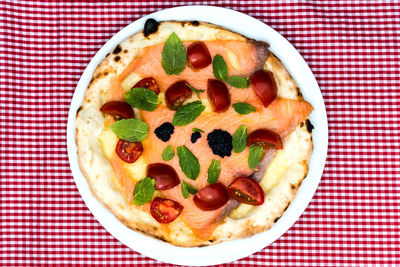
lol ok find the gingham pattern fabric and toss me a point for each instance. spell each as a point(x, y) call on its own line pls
point(353, 48)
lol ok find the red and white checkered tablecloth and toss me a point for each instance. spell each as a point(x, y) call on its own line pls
point(353, 48)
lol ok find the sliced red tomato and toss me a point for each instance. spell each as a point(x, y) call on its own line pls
point(198, 55)
point(266, 138)
point(218, 95)
point(164, 175)
point(211, 197)
point(149, 83)
point(165, 210)
point(264, 86)
point(176, 94)
point(247, 191)
point(129, 151)
point(118, 109)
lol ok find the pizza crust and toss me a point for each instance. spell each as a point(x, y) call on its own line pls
point(106, 188)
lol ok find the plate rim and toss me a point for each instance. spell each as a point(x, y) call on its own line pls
point(233, 249)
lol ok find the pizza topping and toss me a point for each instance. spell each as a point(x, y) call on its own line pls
point(197, 130)
point(176, 94)
point(213, 171)
point(149, 83)
point(196, 91)
point(165, 210)
point(142, 98)
point(173, 57)
point(239, 139)
point(198, 55)
point(130, 130)
point(255, 155)
point(195, 136)
point(189, 163)
point(129, 151)
point(264, 86)
point(218, 95)
point(144, 191)
point(220, 142)
point(187, 189)
point(266, 138)
point(247, 191)
point(164, 175)
point(118, 109)
point(188, 113)
point(150, 26)
point(164, 131)
point(243, 108)
point(238, 82)
point(211, 197)
point(220, 69)
point(168, 153)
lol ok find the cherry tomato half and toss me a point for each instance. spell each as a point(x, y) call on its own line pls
point(218, 95)
point(129, 151)
point(264, 86)
point(118, 109)
point(148, 83)
point(211, 197)
point(247, 191)
point(198, 55)
point(176, 94)
point(266, 138)
point(165, 210)
point(164, 175)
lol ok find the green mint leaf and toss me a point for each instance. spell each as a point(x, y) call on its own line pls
point(188, 162)
point(130, 130)
point(255, 155)
point(168, 153)
point(239, 139)
point(243, 108)
point(142, 98)
point(173, 57)
point(196, 91)
point(238, 82)
point(188, 113)
point(213, 171)
point(144, 191)
point(187, 189)
point(220, 69)
point(197, 130)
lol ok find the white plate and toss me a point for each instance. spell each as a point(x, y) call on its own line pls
point(231, 250)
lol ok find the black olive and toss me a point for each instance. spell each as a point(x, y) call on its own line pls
point(220, 143)
point(164, 131)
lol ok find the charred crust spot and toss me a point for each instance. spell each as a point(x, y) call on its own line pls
point(79, 109)
point(220, 142)
point(125, 51)
point(299, 94)
point(117, 58)
point(277, 219)
point(211, 241)
point(117, 50)
point(302, 124)
point(287, 206)
point(183, 23)
point(309, 125)
point(293, 186)
point(150, 26)
point(195, 23)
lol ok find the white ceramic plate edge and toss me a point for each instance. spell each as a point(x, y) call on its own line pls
point(231, 250)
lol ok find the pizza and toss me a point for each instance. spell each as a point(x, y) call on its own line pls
point(193, 134)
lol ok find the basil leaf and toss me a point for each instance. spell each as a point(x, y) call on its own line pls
point(220, 69)
point(255, 155)
point(188, 162)
point(130, 130)
point(239, 139)
point(213, 171)
point(173, 57)
point(142, 98)
point(243, 108)
point(168, 153)
point(238, 82)
point(196, 91)
point(144, 191)
point(187, 189)
point(197, 130)
point(188, 113)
